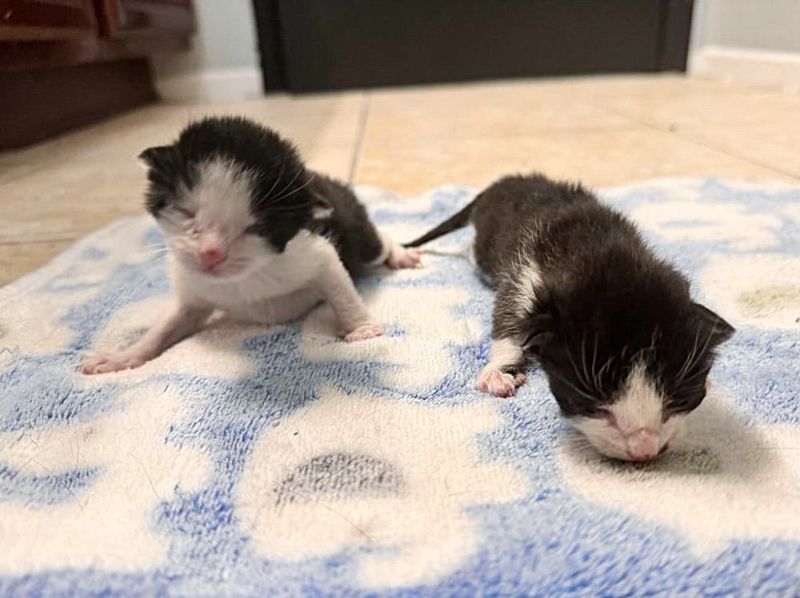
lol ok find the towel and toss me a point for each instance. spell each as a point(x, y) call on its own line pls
point(280, 461)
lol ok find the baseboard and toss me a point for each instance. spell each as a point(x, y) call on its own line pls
point(212, 85)
point(748, 67)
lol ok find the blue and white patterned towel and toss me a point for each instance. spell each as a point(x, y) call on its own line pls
point(281, 461)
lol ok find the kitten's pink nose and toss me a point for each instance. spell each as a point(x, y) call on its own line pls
point(210, 258)
point(643, 445)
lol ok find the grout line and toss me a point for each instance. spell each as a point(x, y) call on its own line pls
point(363, 116)
point(723, 150)
point(412, 139)
point(680, 133)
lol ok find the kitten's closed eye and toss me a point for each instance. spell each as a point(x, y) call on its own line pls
point(186, 213)
point(684, 402)
point(253, 229)
point(608, 416)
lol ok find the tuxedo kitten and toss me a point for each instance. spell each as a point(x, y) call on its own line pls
point(254, 233)
point(625, 349)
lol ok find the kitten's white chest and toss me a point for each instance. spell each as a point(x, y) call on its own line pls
point(272, 277)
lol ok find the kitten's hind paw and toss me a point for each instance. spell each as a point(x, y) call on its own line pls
point(105, 363)
point(363, 332)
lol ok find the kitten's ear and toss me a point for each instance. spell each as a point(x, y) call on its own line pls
point(541, 331)
point(154, 156)
point(321, 208)
point(717, 329)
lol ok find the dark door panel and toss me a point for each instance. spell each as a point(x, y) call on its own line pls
point(319, 44)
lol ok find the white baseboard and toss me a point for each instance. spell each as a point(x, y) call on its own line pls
point(748, 67)
point(233, 84)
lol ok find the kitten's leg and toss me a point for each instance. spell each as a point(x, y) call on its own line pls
point(182, 322)
point(286, 308)
point(360, 242)
point(395, 255)
point(336, 285)
point(501, 375)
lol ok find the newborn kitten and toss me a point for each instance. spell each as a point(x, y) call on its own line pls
point(253, 233)
point(625, 349)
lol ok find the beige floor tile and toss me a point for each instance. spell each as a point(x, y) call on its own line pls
point(548, 89)
point(479, 111)
point(11, 171)
point(17, 260)
point(708, 105)
point(662, 100)
point(773, 145)
point(333, 160)
point(632, 85)
point(309, 122)
point(69, 200)
point(597, 158)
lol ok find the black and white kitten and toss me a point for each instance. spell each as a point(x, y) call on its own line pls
point(625, 349)
point(255, 234)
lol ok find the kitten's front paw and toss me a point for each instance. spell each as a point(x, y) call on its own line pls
point(363, 332)
point(105, 364)
point(400, 257)
point(499, 383)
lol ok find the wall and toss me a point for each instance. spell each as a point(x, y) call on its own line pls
point(747, 41)
point(223, 63)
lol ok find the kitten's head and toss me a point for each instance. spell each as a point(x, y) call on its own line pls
point(628, 359)
point(228, 194)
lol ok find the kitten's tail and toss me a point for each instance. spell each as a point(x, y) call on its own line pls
point(456, 221)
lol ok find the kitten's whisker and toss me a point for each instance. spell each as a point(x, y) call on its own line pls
point(605, 366)
point(583, 393)
point(572, 361)
point(594, 362)
point(290, 209)
point(584, 366)
point(578, 374)
point(301, 187)
point(274, 184)
point(682, 384)
point(696, 358)
point(157, 251)
point(689, 357)
point(278, 196)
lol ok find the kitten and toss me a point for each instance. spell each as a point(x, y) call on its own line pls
point(625, 349)
point(255, 234)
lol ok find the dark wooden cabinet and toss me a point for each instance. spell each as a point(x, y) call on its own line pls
point(49, 33)
point(23, 20)
point(67, 63)
point(144, 18)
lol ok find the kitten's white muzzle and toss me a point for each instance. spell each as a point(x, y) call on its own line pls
point(211, 258)
point(643, 445)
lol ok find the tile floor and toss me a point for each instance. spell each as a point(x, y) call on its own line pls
point(602, 130)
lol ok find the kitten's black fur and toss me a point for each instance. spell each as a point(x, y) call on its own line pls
point(287, 197)
point(604, 301)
